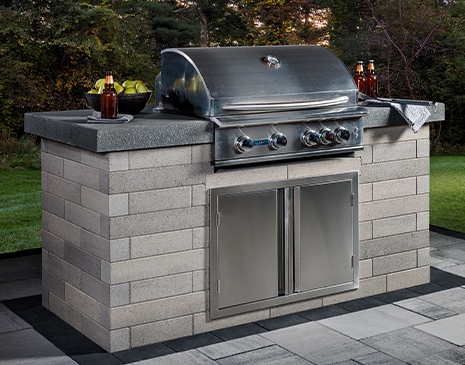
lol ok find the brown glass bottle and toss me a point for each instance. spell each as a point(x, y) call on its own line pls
point(372, 80)
point(359, 78)
point(109, 99)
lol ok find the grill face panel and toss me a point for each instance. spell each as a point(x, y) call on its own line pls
point(267, 102)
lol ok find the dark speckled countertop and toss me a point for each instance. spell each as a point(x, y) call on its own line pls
point(153, 129)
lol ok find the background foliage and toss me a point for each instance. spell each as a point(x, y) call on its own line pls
point(51, 52)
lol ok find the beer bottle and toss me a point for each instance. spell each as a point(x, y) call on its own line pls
point(372, 80)
point(359, 78)
point(109, 99)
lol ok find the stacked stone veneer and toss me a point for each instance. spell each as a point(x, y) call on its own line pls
point(126, 234)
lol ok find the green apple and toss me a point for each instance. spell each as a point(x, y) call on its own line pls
point(119, 89)
point(129, 84)
point(99, 82)
point(130, 90)
point(141, 88)
point(92, 91)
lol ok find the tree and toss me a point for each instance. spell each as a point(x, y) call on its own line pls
point(55, 50)
point(405, 31)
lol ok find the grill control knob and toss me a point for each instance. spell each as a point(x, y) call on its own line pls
point(277, 140)
point(243, 144)
point(342, 135)
point(326, 136)
point(310, 138)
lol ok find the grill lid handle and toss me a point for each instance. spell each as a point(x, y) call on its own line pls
point(292, 105)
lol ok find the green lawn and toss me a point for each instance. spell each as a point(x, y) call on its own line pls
point(447, 192)
point(20, 210)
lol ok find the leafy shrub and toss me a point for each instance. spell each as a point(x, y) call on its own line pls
point(23, 153)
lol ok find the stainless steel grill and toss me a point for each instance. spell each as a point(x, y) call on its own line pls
point(268, 103)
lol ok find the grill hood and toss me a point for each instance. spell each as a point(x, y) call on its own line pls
point(214, 82)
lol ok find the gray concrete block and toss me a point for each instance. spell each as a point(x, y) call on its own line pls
point(157, 310)
point(157, 178)
point(423, 221)
point(95, 245)
point(423, 257)
point(162, 287)
point(65, 311)
point(423, 146)
point(408, 278)
point(380, 209)
point(393, 134)
point(365, 269)
point(83, 303)
point(392, 263)
point(423, 186)
point(200, 195)
point(61, 228)
point(161, 243)
point(201, 153)
point(200, 237)
point(394, 225)
point(161, 331)
point(82, 260)
point(53, 244)
point(394, 170)
point(82, 217)
point(118, 204)
point(53, 204)
point(168, 156)
point(94, 200)
point(158, 266)
point(82, 174)
point(118, 161)
point(61, 150)
point(245, 176)
point(160, 199)
point(53, 284)
point(157, 222)
point(64, 270)
point(63, 188)
point(393, 244)
point(99, 161)
point(365, 192)
point(120, 250)
point(394, 151)
point(52, 164)
point(394, 188)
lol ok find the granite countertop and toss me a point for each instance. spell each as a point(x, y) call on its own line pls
point(153, 129)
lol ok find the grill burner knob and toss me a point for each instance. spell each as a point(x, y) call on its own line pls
point(326, 136)
point(342, 135)
point(277, 140)
point(310, 138)
point(243, 144)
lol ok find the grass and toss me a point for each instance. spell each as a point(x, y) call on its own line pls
point(447, 192)
point(20, 210)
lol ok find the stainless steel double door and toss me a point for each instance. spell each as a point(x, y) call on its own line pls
point(280, 242)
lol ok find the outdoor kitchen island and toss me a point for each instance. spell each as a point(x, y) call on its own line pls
point(126, 219)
